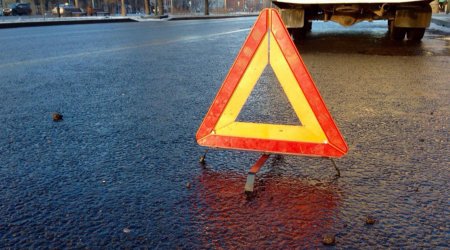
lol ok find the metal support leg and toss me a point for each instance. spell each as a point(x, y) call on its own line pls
point(249, 185)
point(338, 174)
point(203, 157)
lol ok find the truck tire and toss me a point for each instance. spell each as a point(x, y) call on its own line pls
point(300, 33)
point(308, 26)
point(297, 33)
point(396, 33)
point(293, 32)
point(415, 34)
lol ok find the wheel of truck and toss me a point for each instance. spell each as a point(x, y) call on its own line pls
point(297, 33)
point(396, 33)
point(308, 26)
point(415, 34)
point(300, 33)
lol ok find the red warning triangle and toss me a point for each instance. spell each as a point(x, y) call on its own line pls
point(269, 43)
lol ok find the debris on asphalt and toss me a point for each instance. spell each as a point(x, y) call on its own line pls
point(57, 117)
point(329, 240)
point(188, 185)
point(126, 230)
point(370, 220)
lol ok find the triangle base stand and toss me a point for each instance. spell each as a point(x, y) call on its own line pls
point(250, 184)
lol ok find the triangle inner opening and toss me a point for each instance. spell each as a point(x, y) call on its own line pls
point(268, 103)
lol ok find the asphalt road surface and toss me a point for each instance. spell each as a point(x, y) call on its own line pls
point(121, 169)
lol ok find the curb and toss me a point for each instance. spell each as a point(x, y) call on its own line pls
point(62, 22)
point(441, 22)
point(154, 17)
point(7, 25)
point(182, 18)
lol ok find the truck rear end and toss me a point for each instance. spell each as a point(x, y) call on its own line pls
point(407, 18)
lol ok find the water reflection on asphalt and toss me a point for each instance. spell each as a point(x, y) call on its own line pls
point(287, 212)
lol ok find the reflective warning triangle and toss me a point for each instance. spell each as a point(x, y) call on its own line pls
point(269, 43)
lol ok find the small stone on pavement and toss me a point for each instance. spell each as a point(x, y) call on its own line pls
point(329, 240)
point(57, 117)
point(370, 220)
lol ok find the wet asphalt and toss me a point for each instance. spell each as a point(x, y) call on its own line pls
point(121, 168)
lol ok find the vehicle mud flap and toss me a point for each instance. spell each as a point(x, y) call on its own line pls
point(293, 18)
point(414, 17)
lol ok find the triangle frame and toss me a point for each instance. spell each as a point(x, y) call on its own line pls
point(269, 43)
